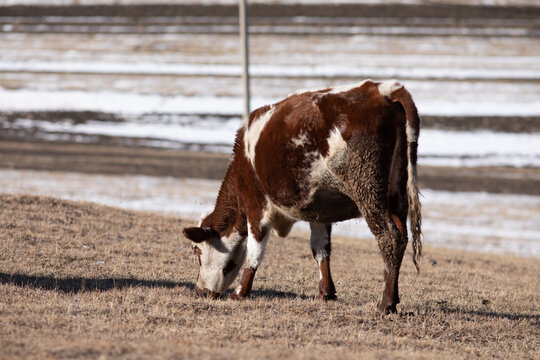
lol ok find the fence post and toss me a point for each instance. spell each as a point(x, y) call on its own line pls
point(245, 55)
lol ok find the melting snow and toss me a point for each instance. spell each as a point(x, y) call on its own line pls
point(464, 220)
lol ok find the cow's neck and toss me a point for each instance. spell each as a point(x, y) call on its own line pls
point(226, 217)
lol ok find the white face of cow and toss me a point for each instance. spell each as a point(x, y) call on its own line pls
point(220, 259)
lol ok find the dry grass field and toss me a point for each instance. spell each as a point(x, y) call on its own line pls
point(79, 280)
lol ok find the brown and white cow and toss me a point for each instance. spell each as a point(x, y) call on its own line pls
point(320, 156)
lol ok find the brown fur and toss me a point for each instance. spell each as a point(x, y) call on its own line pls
point(229, 267)
point(327, 290)
point(245, 284)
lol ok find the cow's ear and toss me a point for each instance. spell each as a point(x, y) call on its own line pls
point(199, 234)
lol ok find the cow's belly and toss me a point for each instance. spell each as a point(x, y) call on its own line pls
point(328, 205)
point(321, 201)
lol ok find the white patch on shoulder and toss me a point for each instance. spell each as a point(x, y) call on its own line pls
point(252, 133)
point(386, 88)
point(321, 165)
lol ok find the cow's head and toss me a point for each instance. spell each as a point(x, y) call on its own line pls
point(220, 259)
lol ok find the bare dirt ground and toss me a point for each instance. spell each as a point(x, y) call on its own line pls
point(262, 10)
point(79, 280)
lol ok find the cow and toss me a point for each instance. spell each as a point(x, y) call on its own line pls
point(320, 156)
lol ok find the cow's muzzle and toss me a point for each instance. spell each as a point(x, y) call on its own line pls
point(206, 293)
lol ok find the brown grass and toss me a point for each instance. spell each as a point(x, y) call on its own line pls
point(80, 280)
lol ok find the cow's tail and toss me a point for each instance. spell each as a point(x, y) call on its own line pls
point(397, 93)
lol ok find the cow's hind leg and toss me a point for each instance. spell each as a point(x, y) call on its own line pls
point(365, 177)
point(256, 246)
point(321, 247)
point(392, 243)
point(392, 247)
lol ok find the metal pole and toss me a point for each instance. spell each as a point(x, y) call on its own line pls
point(245, 55)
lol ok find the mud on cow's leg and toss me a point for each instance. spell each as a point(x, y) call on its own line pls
point(321, 248)
point(392, 246)
point(392, 241)
point(256, 246)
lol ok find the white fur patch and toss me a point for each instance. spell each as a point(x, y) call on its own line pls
point(319, 166)
point(411, 176)
point(301, 140)
point(412, 136)
point(253, 132)
point(255, 249)
point(336, 143)
point(215, 254)
point(319, 239)
point(238, 289)
point(386, 88)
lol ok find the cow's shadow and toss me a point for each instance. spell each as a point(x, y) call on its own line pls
point(276, 294)
point(78, 284)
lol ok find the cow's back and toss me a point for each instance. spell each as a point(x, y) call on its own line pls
point(297, 145)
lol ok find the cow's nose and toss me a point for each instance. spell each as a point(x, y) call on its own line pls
point(206, 293)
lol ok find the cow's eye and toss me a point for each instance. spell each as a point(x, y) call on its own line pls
point(196, 250)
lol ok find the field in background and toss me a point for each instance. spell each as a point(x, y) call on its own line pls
point(480, 222)
point(167, 77)
point(80, 280)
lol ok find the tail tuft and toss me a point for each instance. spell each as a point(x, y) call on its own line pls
point(415, 207)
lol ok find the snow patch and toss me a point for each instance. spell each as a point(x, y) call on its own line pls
point(474, 221)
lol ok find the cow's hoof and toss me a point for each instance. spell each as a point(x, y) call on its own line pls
point(235, 296)
point(327, 297)
point(386, 309)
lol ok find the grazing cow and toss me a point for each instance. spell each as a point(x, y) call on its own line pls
point(320, 156)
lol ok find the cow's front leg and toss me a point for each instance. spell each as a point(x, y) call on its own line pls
point(256, 246)
point(320, 245)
